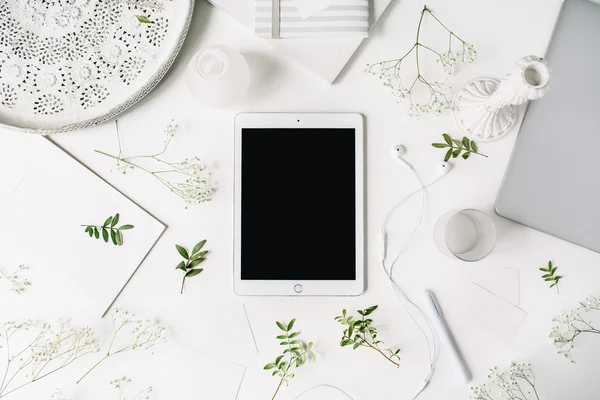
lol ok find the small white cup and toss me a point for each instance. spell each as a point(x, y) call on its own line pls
point(218, 76)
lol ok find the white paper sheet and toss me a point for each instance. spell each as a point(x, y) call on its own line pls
point(233, 340)
point(504, 282)
point(490, 312)
point(40, 225)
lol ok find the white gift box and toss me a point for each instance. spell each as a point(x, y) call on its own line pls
point(280, 19)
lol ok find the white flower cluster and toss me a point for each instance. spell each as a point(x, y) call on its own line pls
point(390, 73)
point(197, 187)
point(450, 58)
point(518, 383)
point(189, 179)
point(48, 351)
point(120, 383)
point(17, 285)
point(58, 395)
point(144, 333)
point(568, 326)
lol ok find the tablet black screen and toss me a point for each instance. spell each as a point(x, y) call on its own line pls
point(298, 204)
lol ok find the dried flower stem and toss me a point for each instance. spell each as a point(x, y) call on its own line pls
point(188, 179)
point(17, 285)
point(144, 334)
point(389, 71)
point(516, 384)
point(48, 352)
point(570, 325)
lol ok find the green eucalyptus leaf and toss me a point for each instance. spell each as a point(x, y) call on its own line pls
point(197, 262)
point(281, 326)
point(474, 147)
point(198, 247)
point(182, 251)
point(447, 139)
point(105, 234)
point(107, 222)
point(270, 366)
point(193, 272)
point(293, 335)
point(291, 325)
point(439, 145)
point(120, 238)
point(455, 153)
point(200, 255)
point(115, 220)
point(181, 266)
point(113, 237)
point(448, 155)
point(466, 142)
point(466, 155)
point(281, 337)
point(125, 227)
point(457, 143)
point(96, 233)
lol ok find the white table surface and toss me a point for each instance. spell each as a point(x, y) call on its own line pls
point(502, 31)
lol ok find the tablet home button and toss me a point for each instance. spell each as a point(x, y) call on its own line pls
point(298, 288)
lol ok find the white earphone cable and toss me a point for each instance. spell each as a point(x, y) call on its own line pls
point(400, 294)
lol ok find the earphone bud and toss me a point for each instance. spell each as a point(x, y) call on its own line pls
point(442, 169)
point(397, 152)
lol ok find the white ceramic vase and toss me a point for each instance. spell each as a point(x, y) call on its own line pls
point(486, 108)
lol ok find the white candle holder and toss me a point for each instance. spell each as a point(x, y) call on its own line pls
point(486, 108)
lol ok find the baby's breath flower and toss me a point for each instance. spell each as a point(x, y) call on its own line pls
point(518, 382)
point(119, 385)
point(143, 334)
point(568, 326)
point(49, 351)
point(390, 73)
point(189, 179)
point(17, 284)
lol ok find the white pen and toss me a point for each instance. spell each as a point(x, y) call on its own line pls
point(446, 335)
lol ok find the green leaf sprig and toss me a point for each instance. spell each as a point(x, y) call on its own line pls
point(455, 147)
point(108, 229)
point(295, 354)
point(192, 260)
point(550, 277)
point(360, 332)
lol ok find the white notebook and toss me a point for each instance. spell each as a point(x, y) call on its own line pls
point(45, 197)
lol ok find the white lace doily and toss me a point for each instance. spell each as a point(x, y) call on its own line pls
point(69, 64)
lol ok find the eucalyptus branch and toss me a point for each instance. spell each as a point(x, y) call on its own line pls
point(189, 179)
point(191, 261)
point(549, 276)
point(570, 325)
point(360, 332)
point(295, 354)
point(455, 147)
point(144, 335)
point(390, 71)
point(108, 229)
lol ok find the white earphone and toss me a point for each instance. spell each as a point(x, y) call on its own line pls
point(398, 151)
point(441, 171)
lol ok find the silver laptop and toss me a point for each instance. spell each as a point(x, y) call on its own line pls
point(552, 182)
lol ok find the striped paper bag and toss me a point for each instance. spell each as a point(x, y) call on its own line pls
point(281, 19)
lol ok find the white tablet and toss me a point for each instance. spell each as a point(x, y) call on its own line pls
point(298, 221)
